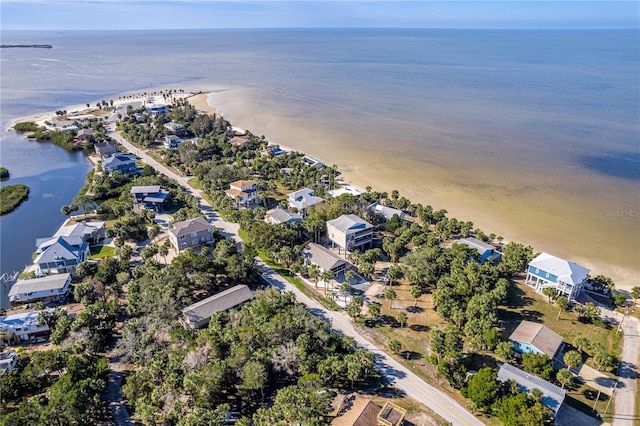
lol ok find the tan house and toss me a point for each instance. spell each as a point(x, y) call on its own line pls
point(244, 192)
point(350, 232)
point(359, 411)
point(190, 233)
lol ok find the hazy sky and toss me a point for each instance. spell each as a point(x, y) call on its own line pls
point(177, 14)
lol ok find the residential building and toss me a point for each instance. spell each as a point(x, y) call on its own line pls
point(302, 199)
point(325, 259)
point(279, 215)
point(198, 315)
point(537, 338)
point(156, 110)
point(384, 212)
point(139, 117)
point(313, 162)
point(171, 141)
point(565, 277)
point(24, 326)
point(190, 233)
point(239, 140)
point(345, 189)
point(123, 163)
point(59, 255)
point(487, 252)
point(356, 410)
point(552, 395)
point(150, 197)
point(51, 288)
point(106, 149)
point(173, 128)
point(8, 361)
point(91, 232)
point(350, 232)
point(84, 134)
point(244, 192)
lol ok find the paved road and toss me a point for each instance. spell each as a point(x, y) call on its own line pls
point(626, 392)
point(402, 377)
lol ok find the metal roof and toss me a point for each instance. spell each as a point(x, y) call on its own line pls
point(323, 257)
point(567, 272)
point(348, 222)
point(217, 303)
point(553, 395)
point(51, 282)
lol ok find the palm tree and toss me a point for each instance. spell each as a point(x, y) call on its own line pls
point(390, 294)
point(565, 377)
point(346, 289)
point(395, 346)
point(394, 272)
point(349, 275)
point(314, 273)
point(416, 292)
point(402, 318)
point(582, 342)
point(374, 310)
point(562, 303)
point(550, 292)
point(163, 251)
point(326, 276)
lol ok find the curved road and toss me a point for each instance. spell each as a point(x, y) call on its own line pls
point(399, 375)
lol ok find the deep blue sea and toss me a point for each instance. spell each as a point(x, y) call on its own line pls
point(525, 123)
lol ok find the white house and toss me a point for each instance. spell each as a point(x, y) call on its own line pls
point(350, 232)
point(302, 199)
point(280, 215)
point(46, 289)
point(244, 192)
point(8, 361)
point(565, 277)
point(24, 326)
point(171, 141)
point(313, 162)
point(344, 189)
point(384, 212)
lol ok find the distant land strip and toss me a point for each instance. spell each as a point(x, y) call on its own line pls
point(38, 46)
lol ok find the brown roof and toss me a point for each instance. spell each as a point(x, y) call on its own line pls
point(359, 412)
point(239, 140)
point(539, 335)
point(234, 192)
point(391, 414)
point(243, 183)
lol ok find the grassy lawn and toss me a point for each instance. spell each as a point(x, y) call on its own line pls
point(100, 252)
point(194, 183)
point(583, 397)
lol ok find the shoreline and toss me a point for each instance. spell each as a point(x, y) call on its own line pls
point(360, 175)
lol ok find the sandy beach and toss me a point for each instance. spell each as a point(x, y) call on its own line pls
point(493, 205)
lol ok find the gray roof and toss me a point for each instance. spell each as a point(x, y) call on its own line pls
point(281, 215)
point(323, 257)
point(51, 282)
point(190, 225)
point(79, 229)
point(151, 189)
point(348, 222)
point(553, 396)
point(476, 244)
point(60, 249)
point(539, 335)
point(117, 160)
point(217, 303)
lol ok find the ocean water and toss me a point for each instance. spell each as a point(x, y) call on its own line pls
point(531, 134)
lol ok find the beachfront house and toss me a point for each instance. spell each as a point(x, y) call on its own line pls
point(60, 255)
point(156, 110)
point(52, 288)
point(344, 189)
point(239, 140)
point(244, 192)
point(106, 149)
point(24, 326)
point(197, 316)
point(302, 199)
point(313, 162)
point(171, 141)
point(384, 212)
point(552, 395)
point(349, 232)
point(279, 215)
point(325, 259)
point(565, 277)
point(190, 233)
point(486, 252)
point(123, 163)
point(537, 338)
point(151, 197)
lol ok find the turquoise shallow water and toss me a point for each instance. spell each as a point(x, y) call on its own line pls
point(490, 115)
